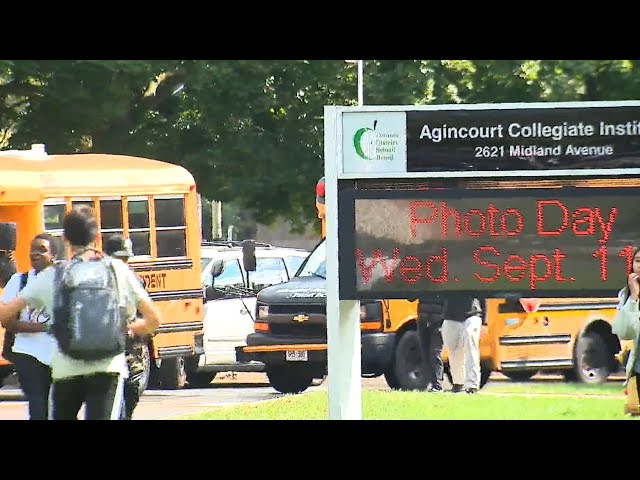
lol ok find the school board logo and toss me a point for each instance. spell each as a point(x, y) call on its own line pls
point(364, 141)
point(374, 142)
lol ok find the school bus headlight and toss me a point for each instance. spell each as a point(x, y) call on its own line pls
point(263, 311)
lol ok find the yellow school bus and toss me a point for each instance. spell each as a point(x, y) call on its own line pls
point(152, 203)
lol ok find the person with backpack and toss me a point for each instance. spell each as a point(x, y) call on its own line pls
point(26, 345)
point(119, 247)
point(89, 299)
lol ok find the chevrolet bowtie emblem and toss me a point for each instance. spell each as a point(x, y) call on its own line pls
point(301, 318)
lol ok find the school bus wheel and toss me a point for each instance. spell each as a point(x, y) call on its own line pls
point(408, 363)
point(592, 358)
point(173, 375)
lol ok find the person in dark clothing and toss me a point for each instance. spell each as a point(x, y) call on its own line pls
point(430, 317)
point(461, 335)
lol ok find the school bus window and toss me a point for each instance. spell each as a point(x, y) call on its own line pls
point(138, 212)
point(110, 218)
point(170, 227)
point(53, 215)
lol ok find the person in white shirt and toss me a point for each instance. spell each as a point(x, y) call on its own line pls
point(32, 348)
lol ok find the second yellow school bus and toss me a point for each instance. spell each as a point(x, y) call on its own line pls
point(153, 203)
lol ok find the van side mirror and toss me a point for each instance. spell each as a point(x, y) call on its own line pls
point(217, 268)
point(249, 255)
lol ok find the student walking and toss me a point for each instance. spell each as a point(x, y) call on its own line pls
point(32, 348)
point(88, 299)
point(118, 247)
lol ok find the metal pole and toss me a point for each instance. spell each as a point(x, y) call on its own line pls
point(360, 83)
point(360, 80)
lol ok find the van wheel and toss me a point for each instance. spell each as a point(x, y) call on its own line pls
point(592, 359)
point(519, 375)
point(173, 375)
point(289, 380)
point(200, 379)
point(408, 363)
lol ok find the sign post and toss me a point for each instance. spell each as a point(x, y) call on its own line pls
point(532, 200)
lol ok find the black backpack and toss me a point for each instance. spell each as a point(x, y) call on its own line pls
point(89, 323)
point(10, 337)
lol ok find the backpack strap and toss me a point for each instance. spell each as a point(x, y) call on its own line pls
point(24, 278)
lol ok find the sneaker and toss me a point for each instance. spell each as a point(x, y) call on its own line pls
point(471, 391)
point(457, 388)
point(434, 389)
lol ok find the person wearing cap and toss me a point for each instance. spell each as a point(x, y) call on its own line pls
point(119, 247)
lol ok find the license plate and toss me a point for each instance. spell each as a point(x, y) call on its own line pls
point(296, 356)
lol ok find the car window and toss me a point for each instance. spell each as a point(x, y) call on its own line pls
point(269, 271)
point(231, 275)
point(204, 261)
point(293, 263)
point(316, 263)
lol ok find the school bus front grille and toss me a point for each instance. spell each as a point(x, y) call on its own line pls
point(179, 327)
point(299, 330)
point(180, 351)
point(534, 339)
point(175, 295)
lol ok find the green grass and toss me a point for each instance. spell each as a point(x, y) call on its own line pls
point(497, 401)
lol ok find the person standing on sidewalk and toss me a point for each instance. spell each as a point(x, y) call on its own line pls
point(461, 335)
point(32, 348)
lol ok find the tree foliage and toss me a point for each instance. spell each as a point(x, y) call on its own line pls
point(251, 131)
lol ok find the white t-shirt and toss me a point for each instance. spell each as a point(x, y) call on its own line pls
point(38, 344)
point(39, 293)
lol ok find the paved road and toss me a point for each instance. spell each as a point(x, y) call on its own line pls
point(227, 389)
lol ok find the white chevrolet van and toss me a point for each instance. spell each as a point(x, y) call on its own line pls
point(231, 300)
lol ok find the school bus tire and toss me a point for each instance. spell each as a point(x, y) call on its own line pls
point(407, 361)
point(390, 377)
point(173, 375)
point(592, 359)
point(289, 379)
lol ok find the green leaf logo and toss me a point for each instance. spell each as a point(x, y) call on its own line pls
point(364, 142)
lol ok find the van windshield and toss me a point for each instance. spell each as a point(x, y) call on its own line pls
point(315, 265)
